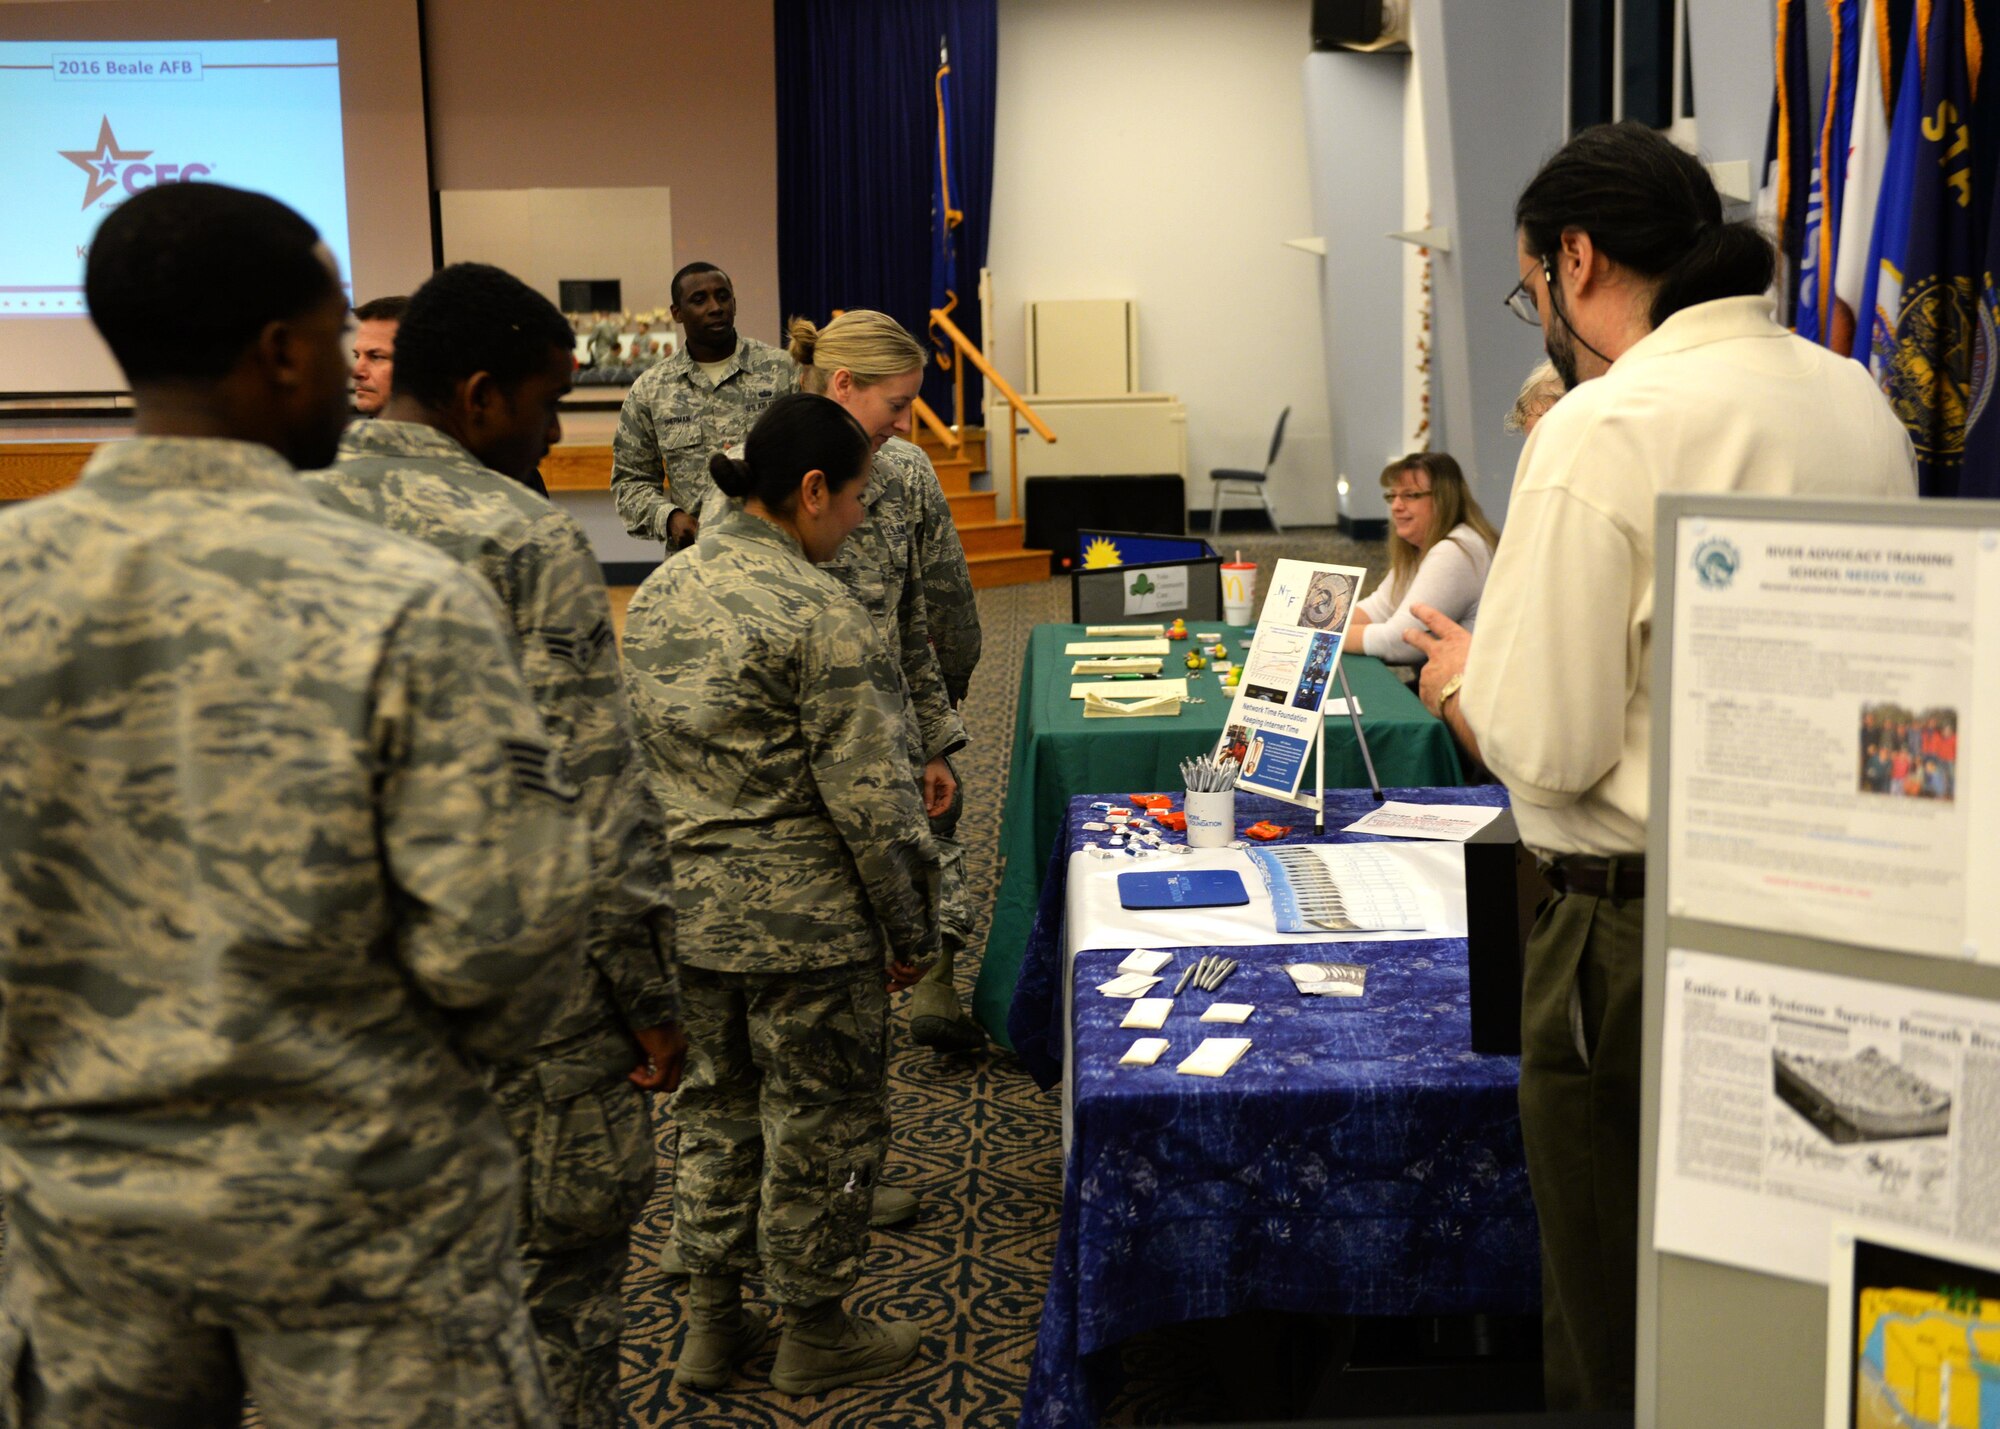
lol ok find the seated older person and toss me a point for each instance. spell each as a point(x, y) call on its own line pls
point(1541, 391)
point(1440, 547)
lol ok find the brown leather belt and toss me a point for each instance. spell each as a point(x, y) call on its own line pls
point(1621, 878)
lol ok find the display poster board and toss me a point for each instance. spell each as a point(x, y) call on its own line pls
point(1821, 1065)
point(1111, 595)
point(1293, 660)
point(1912, 1330)
point(1097, 549)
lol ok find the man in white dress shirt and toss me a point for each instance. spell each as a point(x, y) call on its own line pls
point(1653, 311)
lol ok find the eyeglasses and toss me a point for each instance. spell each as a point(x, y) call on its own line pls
point(1394, 496)
point(1521, 303)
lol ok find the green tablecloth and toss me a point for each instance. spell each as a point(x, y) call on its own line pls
point(1058, 754)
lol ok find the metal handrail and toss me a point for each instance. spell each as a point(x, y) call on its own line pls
point(1015, 406)
point(953, 440)
point(978, 360)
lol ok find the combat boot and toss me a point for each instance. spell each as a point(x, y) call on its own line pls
point(824, 1347)
point(722, 1332)
point(939, 1021)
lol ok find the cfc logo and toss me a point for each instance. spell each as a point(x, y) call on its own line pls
point(111, 167)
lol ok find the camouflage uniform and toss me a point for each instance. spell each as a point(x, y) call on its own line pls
point(284, 852)
point(776, 729)
point(906, 567)
point(581, 1126)
point(675, 419)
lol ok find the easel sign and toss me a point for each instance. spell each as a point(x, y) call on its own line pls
point(1278, 716)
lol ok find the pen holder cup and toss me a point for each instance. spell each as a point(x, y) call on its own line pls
point(1211, 819)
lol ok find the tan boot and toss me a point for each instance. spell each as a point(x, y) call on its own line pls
point(938, 1020)
point(722, 1332)
point(890, 1206)
point(824, 1347)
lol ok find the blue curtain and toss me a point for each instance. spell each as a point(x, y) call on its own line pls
point(858, 156)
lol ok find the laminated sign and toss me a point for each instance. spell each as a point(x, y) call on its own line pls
point(1293, 657)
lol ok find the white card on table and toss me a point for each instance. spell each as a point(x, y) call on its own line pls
point(1130, 689)
point(1228, 1012)
point(1128, 985)
point(1112, 649)
point(1144, 1052)
point(1145, 961)
point(1141, 631)
point(1149, 1013)
point(1214, 1056)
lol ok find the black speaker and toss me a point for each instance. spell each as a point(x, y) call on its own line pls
point(1504, 889)
point(590, 295)
point(1339, 23)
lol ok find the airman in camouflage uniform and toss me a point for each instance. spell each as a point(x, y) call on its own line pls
point(284, 852)
point(905, 565)
point(581, 1126)
point(775, 723)
point(678, 415)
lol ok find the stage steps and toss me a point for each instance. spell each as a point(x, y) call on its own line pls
point(994, 549)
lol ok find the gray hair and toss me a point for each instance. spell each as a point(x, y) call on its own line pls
point(1542, 390)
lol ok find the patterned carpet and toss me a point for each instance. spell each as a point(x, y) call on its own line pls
point(977, 1142)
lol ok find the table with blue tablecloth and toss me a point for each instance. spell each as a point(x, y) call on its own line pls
point(1360, 1159)
point(1059, 753)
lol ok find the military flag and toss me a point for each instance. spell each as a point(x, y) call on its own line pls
point(1837, 113)
point(1787, 192)
point(944, 218)
point(1867, 152)
point(1927, 290)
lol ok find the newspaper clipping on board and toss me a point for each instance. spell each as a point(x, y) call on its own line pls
point(1790, 1098)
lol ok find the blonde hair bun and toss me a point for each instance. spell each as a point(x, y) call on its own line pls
point(801, 339)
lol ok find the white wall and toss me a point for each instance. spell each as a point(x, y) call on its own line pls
point(543, 236)
point(1155, 149)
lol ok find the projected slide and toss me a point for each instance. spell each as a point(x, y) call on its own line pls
point(83, 127)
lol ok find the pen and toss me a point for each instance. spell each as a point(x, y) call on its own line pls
point(1186, 973)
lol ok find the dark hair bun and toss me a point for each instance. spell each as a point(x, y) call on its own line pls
point(731, 475)
point(1726, 260)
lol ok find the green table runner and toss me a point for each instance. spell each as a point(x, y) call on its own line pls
point(1059, 754)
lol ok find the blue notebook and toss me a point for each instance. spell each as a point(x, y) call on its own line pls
point(1201, 888)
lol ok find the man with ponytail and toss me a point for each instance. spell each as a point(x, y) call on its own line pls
point(1652, 309)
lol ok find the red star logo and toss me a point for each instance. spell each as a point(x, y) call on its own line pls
point(100, 163)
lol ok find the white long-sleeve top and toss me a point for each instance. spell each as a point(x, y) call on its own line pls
point(1558, 684)
point(1449, 578)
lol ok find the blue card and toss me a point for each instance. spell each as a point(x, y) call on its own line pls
point(1201, 888)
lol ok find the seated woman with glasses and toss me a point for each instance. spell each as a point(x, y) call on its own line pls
point(1440, 547)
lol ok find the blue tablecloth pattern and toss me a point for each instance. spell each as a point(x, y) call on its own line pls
point(1360, 1159)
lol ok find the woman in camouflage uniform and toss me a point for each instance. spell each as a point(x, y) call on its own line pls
point(773, 721)
point(905, 564)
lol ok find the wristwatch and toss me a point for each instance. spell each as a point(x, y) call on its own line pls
point(1450, 689)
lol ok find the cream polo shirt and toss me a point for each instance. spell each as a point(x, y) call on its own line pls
point(1717, 398)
